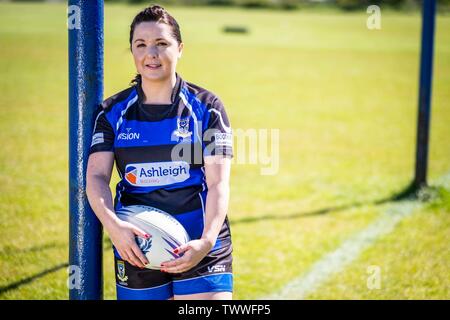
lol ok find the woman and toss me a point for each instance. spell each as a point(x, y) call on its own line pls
point(171, 141)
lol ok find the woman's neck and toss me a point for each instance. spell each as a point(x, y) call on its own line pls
point(158, 92)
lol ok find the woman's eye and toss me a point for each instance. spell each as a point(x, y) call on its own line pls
point(162, 44)
point(141, 45)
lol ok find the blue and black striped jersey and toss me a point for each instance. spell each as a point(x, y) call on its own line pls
point(159, 150)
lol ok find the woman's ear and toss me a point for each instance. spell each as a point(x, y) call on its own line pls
point(180, 50)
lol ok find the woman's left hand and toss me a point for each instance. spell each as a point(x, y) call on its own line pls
point(194, 251)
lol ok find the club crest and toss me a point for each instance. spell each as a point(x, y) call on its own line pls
point(182, 130)
point(121, 272)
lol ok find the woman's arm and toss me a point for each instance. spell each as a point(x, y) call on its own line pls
point(217, 172)
point(122, 233)
point(98, 176)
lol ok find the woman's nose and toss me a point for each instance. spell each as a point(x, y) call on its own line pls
point(152, 51)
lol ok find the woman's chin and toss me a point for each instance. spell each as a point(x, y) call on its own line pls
point(155, 76)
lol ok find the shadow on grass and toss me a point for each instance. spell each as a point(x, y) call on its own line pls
point(107, 245)
point(27, 280)
point(409, 192)
point(46, 246)
point(39, 248)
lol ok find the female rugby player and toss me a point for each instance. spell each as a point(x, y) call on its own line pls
point(171, 142)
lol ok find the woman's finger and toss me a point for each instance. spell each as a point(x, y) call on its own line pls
point(176, 269)
point(181, 249)
point(134, 260)
point(175, 262)
point(138, 253)
point(141, 233)
point(123, 254)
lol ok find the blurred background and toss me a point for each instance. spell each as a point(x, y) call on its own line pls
point(343, 96)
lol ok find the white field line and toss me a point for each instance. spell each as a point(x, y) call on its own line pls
point(350, 249)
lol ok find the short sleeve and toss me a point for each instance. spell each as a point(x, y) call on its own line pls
point(103, 135)
point(218, 137)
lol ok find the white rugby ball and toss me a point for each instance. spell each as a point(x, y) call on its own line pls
point(166, 233)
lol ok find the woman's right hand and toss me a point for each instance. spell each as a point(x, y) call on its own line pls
point(123, 236)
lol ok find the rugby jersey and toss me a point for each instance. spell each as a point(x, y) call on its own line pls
point(159, 150)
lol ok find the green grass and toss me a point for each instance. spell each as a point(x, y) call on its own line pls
point(343, 97)
point(413, 261)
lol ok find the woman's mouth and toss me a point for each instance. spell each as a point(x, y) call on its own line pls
point(152, 66)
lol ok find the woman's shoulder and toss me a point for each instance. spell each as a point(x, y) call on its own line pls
point(121, 97)
point(206, 96)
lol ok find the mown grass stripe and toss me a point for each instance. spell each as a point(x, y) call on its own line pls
point(338, 259)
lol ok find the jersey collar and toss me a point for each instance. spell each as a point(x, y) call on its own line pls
point(175, 91)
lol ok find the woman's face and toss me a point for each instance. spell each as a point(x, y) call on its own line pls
point(155, 51)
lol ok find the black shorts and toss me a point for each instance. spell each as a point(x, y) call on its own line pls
point(212, 274)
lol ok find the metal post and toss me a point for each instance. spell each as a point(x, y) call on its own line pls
point(85, 24)
point(425, 85)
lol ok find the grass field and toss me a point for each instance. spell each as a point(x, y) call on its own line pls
point(343, 97)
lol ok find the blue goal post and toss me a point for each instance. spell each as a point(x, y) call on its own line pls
point(85, 29)
point(425, 86)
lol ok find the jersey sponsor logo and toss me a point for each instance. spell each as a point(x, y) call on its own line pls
point(131, 174)
point(156, 173)
point(128, 135)
point(223, 139)
point(97, 138)
point(216, 268)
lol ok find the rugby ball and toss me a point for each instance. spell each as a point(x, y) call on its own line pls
point(166, 233)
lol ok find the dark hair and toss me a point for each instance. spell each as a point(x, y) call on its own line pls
point(158, 14)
